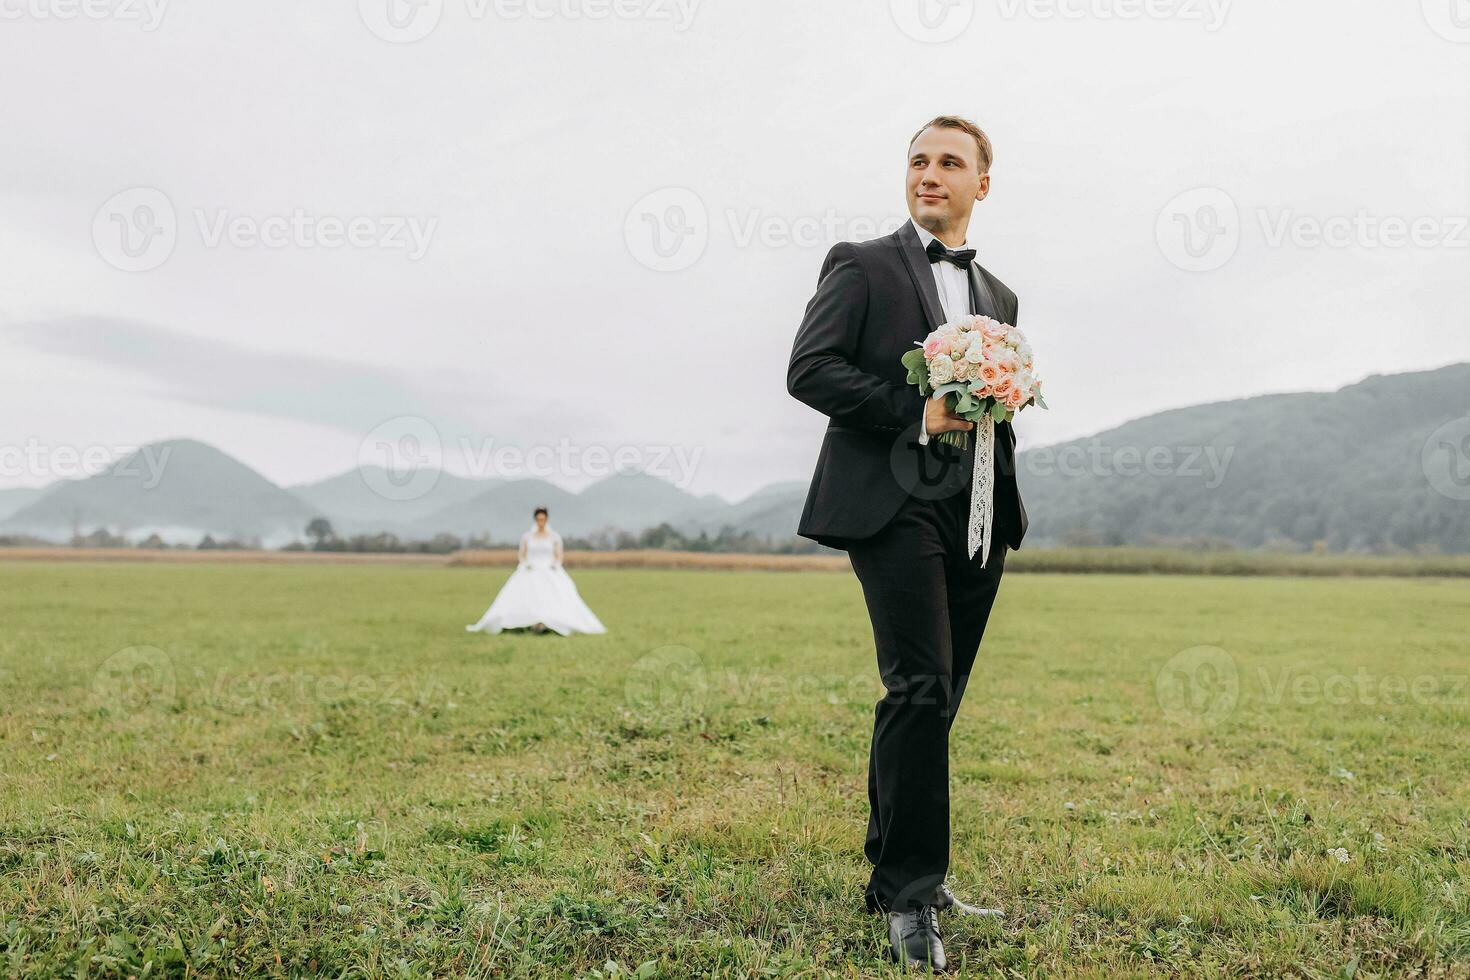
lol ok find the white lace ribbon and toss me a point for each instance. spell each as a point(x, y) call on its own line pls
point(982, 489)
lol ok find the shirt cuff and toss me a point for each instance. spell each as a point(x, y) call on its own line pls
point(924, 425)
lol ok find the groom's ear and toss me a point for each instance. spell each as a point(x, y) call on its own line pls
point(984, 187)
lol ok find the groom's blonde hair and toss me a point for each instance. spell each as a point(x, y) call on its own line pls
point(982, 142)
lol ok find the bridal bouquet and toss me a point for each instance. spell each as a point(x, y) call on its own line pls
point(983, 365)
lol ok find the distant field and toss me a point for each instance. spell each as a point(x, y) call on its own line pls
point(1128, 561)
point(311, 769)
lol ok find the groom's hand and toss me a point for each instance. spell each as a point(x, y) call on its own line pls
point(938, 417)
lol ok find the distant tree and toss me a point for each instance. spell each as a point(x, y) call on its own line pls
point(320, 531)
point(100, 538)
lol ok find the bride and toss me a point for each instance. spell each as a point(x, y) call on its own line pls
point(539, 593)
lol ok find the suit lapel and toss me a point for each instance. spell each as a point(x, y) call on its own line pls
point(917, 262)
point(983, 298)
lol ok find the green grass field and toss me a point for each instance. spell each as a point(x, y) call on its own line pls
point(314, 770)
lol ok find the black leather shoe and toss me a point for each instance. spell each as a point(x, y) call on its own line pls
point(945, 901)
point(913, 938)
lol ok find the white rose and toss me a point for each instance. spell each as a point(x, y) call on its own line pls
point(941, 371)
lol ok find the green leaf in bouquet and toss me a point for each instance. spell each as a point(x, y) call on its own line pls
point(964, 403)
point(998, 412)
point(1041, 402)
point(918, 369)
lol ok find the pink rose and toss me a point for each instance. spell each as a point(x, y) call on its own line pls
point(1002, 387)
point(933, 344)
point(990, 372)
point(1016, 398)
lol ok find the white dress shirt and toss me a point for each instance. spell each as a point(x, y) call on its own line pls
point(954, 297)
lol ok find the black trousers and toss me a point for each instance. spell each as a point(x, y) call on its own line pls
point(929, 602)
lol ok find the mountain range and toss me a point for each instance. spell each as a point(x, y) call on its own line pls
point(1380, 465)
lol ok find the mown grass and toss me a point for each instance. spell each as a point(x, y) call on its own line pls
point(313, 770)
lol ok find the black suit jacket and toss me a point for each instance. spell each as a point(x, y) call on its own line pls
point(874, 300)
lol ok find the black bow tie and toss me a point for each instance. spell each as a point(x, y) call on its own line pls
point(937, 252)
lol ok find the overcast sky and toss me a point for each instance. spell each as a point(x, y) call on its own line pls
point(294, 230)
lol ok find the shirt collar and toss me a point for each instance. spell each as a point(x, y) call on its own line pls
point(926, 236)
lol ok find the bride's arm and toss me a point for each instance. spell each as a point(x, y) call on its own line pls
point(556, 543)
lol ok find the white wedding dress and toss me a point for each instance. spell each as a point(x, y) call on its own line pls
point(539, 591)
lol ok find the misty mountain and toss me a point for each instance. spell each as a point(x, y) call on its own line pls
point(1376, 466)
point(771, 512)
point(1353, 469)
point(180, 490)
point(14, 499)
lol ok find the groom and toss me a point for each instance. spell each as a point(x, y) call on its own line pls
point(898, 501)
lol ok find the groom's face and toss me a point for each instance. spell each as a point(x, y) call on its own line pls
point(944, 179)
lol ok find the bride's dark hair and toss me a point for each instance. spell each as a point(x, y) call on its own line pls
point(540, 510)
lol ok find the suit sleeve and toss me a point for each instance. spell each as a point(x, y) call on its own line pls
point(822, 372)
